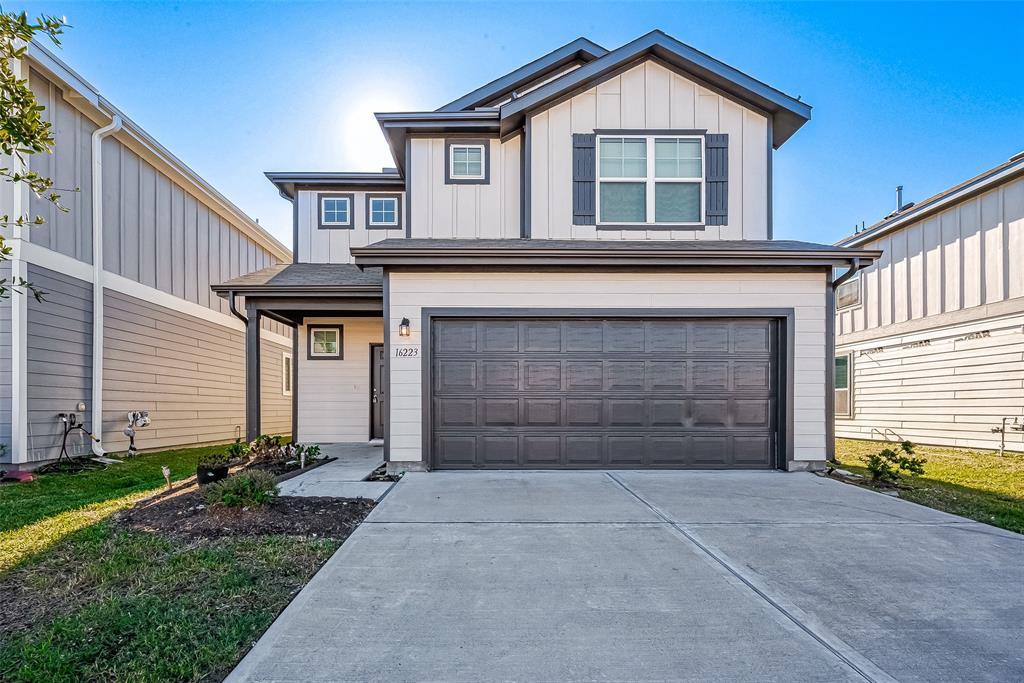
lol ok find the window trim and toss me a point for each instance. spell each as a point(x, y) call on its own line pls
point(450, 144)
point(853, 281)
point(370, 225)
point(310, 355)
point(848, 413)
point(324, 225)
point(287, 379)
point(649, 181)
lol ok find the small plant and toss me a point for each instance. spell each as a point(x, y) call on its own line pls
point(265, 449)
point(890, 464)
point(307, 455)
point(212, 461)
point(238, 449)
point(246, 489)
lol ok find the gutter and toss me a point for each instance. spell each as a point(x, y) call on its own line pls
point(97, 279)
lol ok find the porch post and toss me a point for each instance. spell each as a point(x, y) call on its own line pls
point(252, 372)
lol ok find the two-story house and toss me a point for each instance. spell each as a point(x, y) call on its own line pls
point(569, 267)
point(930, 338)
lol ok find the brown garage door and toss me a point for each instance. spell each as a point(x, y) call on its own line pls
point(603, 393)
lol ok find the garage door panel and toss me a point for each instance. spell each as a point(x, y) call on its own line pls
point(604, 393)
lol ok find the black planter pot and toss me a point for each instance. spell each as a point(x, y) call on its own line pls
point(208, 475)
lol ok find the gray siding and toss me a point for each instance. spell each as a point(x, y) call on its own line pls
point(70, 167)
point(5, 368)
point(189, 373)
point(59, 360)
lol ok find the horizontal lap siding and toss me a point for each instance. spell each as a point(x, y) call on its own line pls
point(334, 395)
point(951, 391)
point(804, 292)
point(189, 373)
point(5, 367)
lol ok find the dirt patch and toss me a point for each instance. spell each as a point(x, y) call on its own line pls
point(381, 474)
point(183, 512)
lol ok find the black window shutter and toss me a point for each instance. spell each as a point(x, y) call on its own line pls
point(584, 177)
point(716, 178)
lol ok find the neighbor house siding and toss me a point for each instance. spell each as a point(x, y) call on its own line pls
point(947, 386)
point(59, 361)
point(411, 292)
point(465, 211)
point(331, 245)
point(648, 96)
point(5, 368)
point(334, 395)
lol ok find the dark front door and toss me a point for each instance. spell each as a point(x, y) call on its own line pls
point(603, 393)
point(377, 391)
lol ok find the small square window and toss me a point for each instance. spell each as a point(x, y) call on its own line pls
point(336, 211)
point(383, 211)
point(467, 162)
point(848, 293)
point(325, 342)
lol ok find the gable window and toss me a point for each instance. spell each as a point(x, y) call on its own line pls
point(335, 211)
point(650, 180)
point(843, 382)
point(848, 293)
point(286, 374)
point(383, 211)
point(467, 161)
point(325, 342)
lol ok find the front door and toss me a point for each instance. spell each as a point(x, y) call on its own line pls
point(376, 391)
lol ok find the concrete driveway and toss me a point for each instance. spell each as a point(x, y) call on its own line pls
point(473, 576)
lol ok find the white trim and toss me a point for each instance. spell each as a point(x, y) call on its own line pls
point(452, 175)
point(286, 359)
point(348, 211)
point(19, 364)
point(650, 180)
point(369, 217)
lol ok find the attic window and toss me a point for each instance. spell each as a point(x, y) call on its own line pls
point(467, 162)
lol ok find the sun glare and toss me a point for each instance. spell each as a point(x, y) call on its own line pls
point(360, 141)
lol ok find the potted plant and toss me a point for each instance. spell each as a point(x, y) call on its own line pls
point(212, 467)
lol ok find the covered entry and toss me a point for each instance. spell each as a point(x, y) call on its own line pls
point(603, 392)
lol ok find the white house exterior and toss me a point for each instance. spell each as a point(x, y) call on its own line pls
point(570, 267)
point(930, 339)
point(128, 321)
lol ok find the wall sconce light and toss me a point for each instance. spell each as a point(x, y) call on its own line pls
point(404, 329)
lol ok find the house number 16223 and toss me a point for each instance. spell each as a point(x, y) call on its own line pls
point(407, 351)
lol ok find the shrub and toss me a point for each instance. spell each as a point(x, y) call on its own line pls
point(246, 489)
point(266, 449)
point(890, 464)
point(238, 449)
point(214, 460)
point(307, 454)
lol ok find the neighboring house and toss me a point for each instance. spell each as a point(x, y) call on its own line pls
point(126, 273)
point(930, 339)
point(571, 266)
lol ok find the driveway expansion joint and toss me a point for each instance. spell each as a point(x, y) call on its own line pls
point(857, 662)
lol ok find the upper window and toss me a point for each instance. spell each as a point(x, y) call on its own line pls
point(467, 161)
point(650, 180)
point(325, 341)
point(335, 210)
point(843, 375)
point(383, 211)
point(848, 293)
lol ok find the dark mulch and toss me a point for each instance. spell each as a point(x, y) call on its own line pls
point(183, 512)
point(381, 474)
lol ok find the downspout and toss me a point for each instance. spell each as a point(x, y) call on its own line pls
point(856, 265)
point(234, 309)
point(97, 279)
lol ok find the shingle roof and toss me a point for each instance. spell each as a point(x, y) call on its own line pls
point(327, 276)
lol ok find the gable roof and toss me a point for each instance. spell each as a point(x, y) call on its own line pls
point(579, 50)
point(788, 113)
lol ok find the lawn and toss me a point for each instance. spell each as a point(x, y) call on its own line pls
point(86, 599)
point(980, 485)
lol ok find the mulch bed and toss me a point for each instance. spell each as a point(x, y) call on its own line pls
point(183, 512)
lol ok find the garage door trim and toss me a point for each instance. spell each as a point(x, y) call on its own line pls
point(785, 317)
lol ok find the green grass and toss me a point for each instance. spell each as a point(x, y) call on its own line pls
point(979, 485)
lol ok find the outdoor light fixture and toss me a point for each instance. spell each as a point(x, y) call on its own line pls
point(403, 328)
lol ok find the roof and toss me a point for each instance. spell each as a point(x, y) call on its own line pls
point(287, 181)
point(958, 193)
point(81, 92)
point(306, 277)
point(533, 252)
point(579, 50)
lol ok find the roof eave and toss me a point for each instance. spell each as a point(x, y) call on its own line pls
point(397, 126)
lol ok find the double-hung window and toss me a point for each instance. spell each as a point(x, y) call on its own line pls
point(286, 374)
point(843, 382)
point(650, 180)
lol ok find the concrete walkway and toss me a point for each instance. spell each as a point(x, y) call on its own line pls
point(344, 477)
point(695, 576)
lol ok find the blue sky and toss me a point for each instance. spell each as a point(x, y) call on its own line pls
point(923, 95)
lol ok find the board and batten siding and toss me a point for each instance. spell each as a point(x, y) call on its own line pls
point(648, 96)
point(464, 211)
point(334, 395)
point(970, 256)
point(411, 292)
point(331, 245)
point(949, 386)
